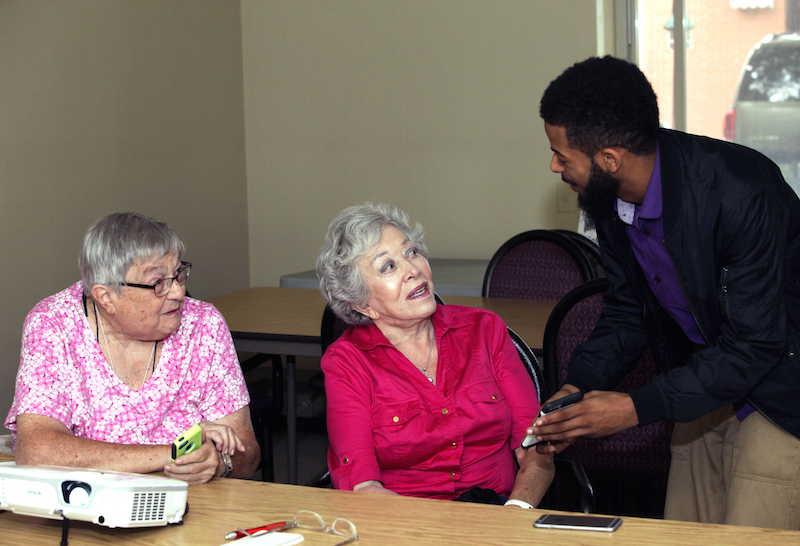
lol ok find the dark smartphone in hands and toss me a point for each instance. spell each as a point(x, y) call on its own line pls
point(187, 442)
point(550, 407)
point(578, 523)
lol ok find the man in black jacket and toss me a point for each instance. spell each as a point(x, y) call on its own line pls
point(701, 242)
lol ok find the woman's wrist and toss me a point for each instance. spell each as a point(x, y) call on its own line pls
point(367, 484)
point(226, 464)
point(517, 502)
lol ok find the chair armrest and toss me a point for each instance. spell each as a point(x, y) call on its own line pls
point(322, 479)
point(586, 490)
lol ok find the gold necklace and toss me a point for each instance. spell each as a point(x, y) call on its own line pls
point(111, 360)
point(428, 363)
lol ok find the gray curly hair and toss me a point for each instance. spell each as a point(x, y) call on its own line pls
point(350, 236)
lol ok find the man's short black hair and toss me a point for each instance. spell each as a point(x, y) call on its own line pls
point(603, 102)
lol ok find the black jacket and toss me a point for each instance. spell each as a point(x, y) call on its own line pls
point(732, 227)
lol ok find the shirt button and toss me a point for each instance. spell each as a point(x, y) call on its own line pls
point(345, 460)
point(395, 418)
point(646, 232)
point(494, 397)
point(444, 411)
point(657, 280)
point(454, 445)
point(452, 474)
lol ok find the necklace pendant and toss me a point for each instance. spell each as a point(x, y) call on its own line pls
point(429, 378)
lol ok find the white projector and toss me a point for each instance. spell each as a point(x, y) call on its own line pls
point(111, 499)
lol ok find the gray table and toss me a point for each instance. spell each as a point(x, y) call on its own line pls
point(451, 277)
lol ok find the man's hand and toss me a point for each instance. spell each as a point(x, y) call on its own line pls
point(600, 413)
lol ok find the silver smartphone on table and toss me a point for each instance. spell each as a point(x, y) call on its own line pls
point(578, 523)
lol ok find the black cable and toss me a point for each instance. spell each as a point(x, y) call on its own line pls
point(65, 532)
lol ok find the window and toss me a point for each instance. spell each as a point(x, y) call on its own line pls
point(738, 71)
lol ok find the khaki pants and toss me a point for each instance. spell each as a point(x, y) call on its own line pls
point(739, 473)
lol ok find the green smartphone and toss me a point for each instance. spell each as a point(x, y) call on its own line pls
point(187, 442)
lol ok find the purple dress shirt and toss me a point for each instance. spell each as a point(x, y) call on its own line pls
point(645, 229)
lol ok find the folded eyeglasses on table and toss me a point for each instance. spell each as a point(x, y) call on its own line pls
point(304, 519)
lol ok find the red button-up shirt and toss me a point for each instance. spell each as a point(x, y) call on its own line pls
point(387, 422)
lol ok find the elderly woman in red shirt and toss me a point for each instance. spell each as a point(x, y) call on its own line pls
point(424, 400)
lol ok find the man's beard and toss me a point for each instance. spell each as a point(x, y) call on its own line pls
point(599, 198)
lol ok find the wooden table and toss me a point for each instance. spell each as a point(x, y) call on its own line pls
point(526, 317)
point(453, 276)
point(223, 505)
point(286, 321)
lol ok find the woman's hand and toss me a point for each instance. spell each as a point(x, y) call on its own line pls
point(196, 467)
point(373, 486)
point(223, 436)
point(535, 475)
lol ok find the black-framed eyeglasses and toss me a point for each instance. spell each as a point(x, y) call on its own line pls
point(306, 519)
point(162, 286)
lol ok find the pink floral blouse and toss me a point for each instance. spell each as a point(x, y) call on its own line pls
point(64, 375)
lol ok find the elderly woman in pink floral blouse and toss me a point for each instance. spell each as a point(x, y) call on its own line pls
point(115, 367)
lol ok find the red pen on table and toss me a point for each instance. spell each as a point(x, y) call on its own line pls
point(241, 533)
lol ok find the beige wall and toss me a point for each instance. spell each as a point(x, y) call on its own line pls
point(428, 104)
point(111, 105)
point(115, 105)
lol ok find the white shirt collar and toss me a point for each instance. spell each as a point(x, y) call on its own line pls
point(626, 211)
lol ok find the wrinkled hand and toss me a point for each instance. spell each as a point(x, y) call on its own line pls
point(600, 413)
point(223, 436)
point(196, 467)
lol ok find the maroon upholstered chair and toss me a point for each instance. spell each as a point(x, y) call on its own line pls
point(539, 265)
point(589, 247)
point(578, 495)
point(628, 469)
point(331, 328)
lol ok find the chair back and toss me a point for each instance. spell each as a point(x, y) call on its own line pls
point(641, 450)
point(531, 365)
point(583, 493)
point(538, 264)
point(332, 326)
point(589, 247)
